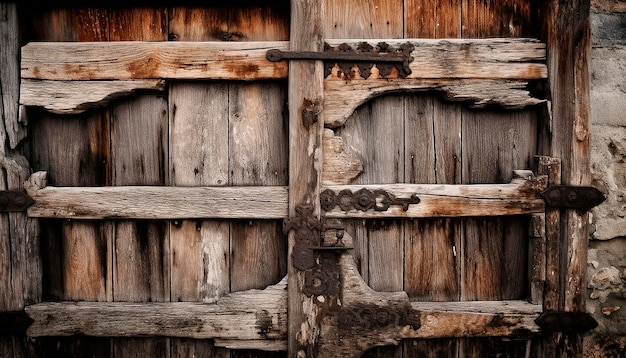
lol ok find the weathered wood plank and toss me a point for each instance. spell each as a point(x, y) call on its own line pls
point(343, 97)
point(10, 75)
point(258, 151)
point(200, 249)
point(146, 202)
point(342, 165)
point(72, 97)
point(305, 161)
point(139, 156)
point(255, 315)
point(131, 60)
point(437, 200)
point(495, 249)
point(469, 58)
point(374, 132)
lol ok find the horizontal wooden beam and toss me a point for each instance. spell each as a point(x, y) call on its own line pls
point(254, 319)
point(496, 58)
point(157, 202)
point(132, 60)
point(519, 197)
point(70, 97)
point(474, 319)
point(70, 77)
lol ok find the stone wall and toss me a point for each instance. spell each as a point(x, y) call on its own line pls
point(607, 248)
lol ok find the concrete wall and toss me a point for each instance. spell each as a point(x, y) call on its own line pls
point(607, 249)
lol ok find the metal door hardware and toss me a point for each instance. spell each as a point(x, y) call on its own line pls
point(554, 321)
point(365, 56)
point(364, 200)
point(14, 200)
point(573, 197)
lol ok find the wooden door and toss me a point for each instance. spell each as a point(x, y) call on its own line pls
point(195, 198)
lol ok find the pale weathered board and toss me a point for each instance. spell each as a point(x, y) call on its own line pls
point(131, 60)
point(343, 97)
point(67, 97)
point(145, 202)
point(506, 58)
point(198, 157)
point(255, 315)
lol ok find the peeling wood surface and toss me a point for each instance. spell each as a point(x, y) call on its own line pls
point(131, 60)
point(341, 163)
point(73, 97)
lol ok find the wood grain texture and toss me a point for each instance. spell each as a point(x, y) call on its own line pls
point(131, 60)
point(200, 250)
point(139, 147)
point(374, 131)
point(342, 164)
point(343, 97)
point(9, 75)
point(469, 58)
point(73, 97)
point(305, 160)
point(258, 151)
point(495, 250)
point(244, 316)
point(521, 197)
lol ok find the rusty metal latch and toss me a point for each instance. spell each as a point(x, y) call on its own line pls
point(364, 200)
point(14, 200)
point(576, 322)
point(365, 56)
point(573, 197)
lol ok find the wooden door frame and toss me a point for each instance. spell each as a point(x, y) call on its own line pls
point(565, 29)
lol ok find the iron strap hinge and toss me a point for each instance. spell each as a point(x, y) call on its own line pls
point(568, 322)
point(14, 200)
point(365, 56)
point(572, 197)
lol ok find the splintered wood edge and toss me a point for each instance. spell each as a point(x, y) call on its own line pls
point(342, 98)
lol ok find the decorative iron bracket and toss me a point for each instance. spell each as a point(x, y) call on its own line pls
point(569, 322)
point(14, 200)
point(365, 56)
point(572, 197)
point(364, 200)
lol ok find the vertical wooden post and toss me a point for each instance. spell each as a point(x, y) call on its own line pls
point(568, 37)
point(305, 160)
point(20, 266)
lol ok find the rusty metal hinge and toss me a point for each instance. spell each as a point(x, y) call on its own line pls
point(575, 322)
point(14, 200)
point(572, 197)
point(365, 56)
